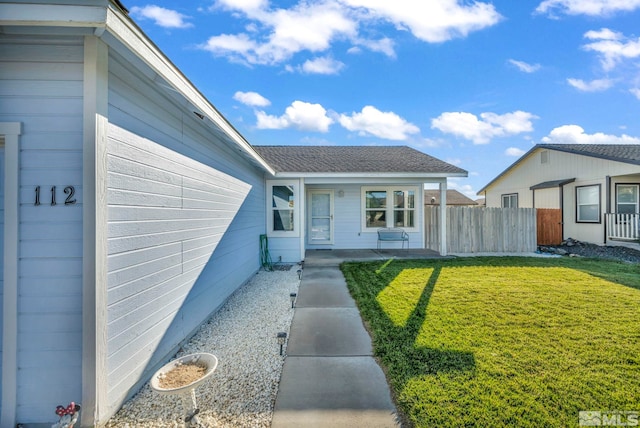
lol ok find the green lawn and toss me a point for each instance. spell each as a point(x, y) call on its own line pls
point(507, 341)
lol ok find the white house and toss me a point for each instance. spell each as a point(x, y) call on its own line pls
point(594, 188)
point(132, 208)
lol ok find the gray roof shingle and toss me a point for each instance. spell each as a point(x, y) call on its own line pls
point(453, 198)
point(353, 159)
point(627, 153)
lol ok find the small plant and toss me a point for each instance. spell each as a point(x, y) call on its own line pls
point(68, 415)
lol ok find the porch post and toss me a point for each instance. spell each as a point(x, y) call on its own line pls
point(303, 218)
point(443, 218)
point(9, 386)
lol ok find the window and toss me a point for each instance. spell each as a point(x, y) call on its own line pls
point(627, 198)
point(588, 204)
point(510, 200)
point(281, 210)
point(389, 207)
point(544, 156)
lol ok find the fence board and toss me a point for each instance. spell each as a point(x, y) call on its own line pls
point(482, 230)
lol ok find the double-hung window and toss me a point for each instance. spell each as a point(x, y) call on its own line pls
point(389, 207)
point(627, 198)
point(588, 204)
point(510, 200)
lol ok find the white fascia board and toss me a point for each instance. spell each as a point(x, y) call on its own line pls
point(359, 175)
point(54, 15)
point(123, 29)
point(127, 33)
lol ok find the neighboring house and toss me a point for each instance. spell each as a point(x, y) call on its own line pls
point(132, 208)
point(338, 197)
point(454, 198)
point(594, 188)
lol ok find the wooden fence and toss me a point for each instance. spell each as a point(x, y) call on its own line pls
point(483, 230)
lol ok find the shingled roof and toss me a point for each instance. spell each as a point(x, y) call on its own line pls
point(453, 198)
point(354, 159)
point(625, 153)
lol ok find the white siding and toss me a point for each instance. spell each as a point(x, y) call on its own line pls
point(41, 86)
point(348, 214)
point(185, 215)
point(586, 170)
point(1, 253)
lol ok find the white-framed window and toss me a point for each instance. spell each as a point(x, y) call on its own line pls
point(393, 206)
point(510, 200)
point(282, 208)
point(627, 198)
point(588, 204)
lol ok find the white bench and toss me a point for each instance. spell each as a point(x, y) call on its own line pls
point(391, 234)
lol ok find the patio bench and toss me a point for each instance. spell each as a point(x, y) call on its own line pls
point(392, 235)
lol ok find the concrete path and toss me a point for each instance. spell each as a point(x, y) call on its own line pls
point(330, 378)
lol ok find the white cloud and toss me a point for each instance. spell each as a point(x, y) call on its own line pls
point(635, 92)
point(574, 134)
point(275, 35)
point(322, 65)
point(596, 85)
point(482, 129)
point(613, 47)
point(299, 115)
point(465, 189)
point(588, 7)
point(385, 46)
point(514, 151)
point(386, 125)
point(283, 32)
point(525, 67)
point(433, 21)
point(253, 99)
point(166, 18)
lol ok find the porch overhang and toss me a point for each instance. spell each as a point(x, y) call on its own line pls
point(551, 184)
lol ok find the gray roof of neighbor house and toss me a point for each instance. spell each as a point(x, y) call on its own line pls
point(453, 198)
point(626, 153)
point(354, 159)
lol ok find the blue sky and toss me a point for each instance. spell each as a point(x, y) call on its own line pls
point(476, 84)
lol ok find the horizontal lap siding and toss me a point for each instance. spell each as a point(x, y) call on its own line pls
point(184, 216)
point(41, 86)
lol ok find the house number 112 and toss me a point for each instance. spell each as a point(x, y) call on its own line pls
point(70, 191)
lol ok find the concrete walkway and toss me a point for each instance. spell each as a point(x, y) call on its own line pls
point(330, 378)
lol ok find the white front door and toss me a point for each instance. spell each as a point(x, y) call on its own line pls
point(321, 217)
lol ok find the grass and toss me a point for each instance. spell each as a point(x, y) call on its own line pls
point(506, 341)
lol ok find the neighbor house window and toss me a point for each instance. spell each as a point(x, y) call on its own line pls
point(510, 200)
point(281, 209)
point(627, 198)
point(588, 204)
point(389, 207)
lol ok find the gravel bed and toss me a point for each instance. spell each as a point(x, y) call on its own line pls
point(572, 247)
point(242, 334)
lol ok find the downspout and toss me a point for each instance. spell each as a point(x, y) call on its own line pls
point(562, 210)
point(443, 218)
point(607, 191)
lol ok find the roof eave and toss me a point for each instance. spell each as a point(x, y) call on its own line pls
point(369, 175)
point(114, 20)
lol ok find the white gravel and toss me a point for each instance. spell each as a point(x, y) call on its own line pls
point(242, 334)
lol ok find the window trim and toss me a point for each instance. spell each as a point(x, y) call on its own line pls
point(577, 204)
point(270, 209)
point(390, 209)
point(637, 185)
point(510, 195)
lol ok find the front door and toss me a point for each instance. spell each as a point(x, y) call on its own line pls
point(321, 217)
